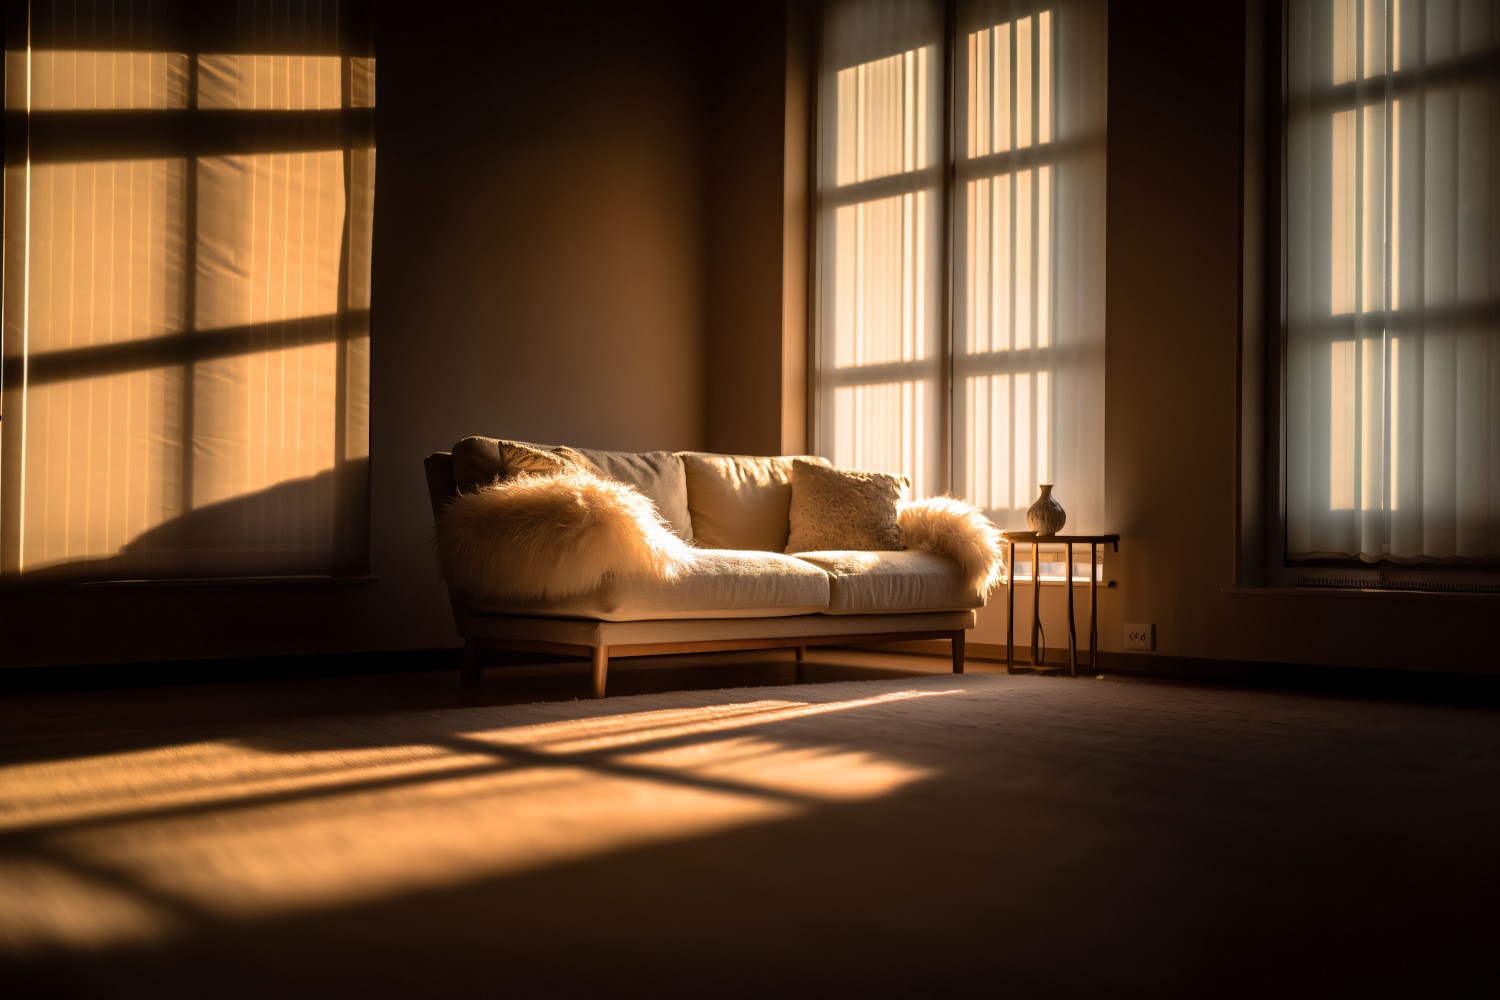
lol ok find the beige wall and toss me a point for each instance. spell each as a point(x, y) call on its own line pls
point(539, 237)
point(538, 273)
point(757, 233)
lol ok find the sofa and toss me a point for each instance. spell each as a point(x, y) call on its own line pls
point(550, 549)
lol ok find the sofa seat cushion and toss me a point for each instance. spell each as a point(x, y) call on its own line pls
point(717, 583)
point(869, 582)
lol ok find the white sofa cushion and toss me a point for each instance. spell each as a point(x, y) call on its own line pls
point(868, 582)
point(740, 501)
point(715, 583)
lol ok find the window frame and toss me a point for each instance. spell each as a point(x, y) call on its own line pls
point(1261, 553)
point(955, 363)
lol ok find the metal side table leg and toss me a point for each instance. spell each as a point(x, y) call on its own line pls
point(1010, 607)
point(1038, 647)
point(1072, 630)
point(1093, 607)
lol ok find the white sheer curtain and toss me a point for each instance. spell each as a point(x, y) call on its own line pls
point(880, 226)
point(1028, 302)
point(1011, 392)
point(185, 353)
point(1393, 280)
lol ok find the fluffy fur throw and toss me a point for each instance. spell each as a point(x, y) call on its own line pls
point(958, 530)
point(542, 536)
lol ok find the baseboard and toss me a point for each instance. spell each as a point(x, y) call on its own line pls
point(1448, 687)
point(1357, 681)
point(984, 652)
point(1352, 680)
point(95, 676)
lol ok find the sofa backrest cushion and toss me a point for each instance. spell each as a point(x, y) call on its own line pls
point(657, 474)
point(740, 501)
point(477, 461)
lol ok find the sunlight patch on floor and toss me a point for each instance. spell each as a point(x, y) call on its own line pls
point(132, 847)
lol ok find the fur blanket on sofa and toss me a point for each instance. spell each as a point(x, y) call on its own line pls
point(555, 535)
point(957, 530)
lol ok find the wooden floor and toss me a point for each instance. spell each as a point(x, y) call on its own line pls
point(1072, 838)
point(106, 714)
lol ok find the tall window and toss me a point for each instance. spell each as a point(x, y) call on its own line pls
point(961, 249)
point(1393, 280)
point(189, 192)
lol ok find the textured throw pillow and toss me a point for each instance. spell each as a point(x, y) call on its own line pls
point(841, 509)
point(523, 459)
point(479, 461)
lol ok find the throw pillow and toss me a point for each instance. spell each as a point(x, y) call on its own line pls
point(740, 501)
point(479, 461)
point(522, 459)
point(843, 509)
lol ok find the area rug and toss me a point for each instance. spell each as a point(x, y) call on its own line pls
point(1047, 835)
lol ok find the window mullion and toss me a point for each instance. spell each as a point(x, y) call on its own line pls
point(946, 282)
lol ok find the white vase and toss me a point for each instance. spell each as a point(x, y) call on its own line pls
point(1046, 516)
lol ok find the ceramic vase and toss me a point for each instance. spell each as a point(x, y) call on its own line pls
point(1046, 516)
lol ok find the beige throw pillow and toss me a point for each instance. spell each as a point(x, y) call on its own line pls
point(739, 501)
point(843, 509)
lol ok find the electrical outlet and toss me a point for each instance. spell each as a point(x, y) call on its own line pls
point(1140, 637)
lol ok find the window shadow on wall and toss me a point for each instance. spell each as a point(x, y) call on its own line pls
point(186, 355)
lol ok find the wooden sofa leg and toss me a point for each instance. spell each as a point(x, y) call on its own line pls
point(601, 668)
point(468, 671)
point(800, 652)
point(958, 651)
